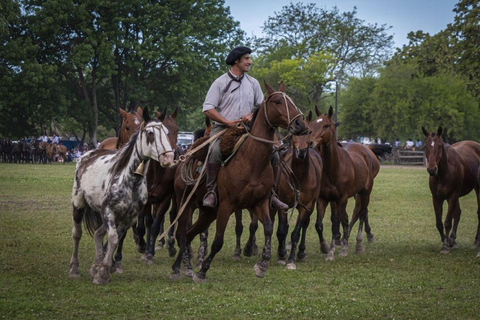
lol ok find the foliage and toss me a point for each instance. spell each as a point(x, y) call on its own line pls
point(338, 44)
point(108, 55)
point(401, 275)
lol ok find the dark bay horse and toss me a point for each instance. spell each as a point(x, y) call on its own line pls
point(347, 172)
point(108, 193)
point(454, 173)
point(160, 195)
point(245, 181)
point(130, 124)
point(306, 169)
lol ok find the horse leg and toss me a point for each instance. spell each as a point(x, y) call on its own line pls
point(301, 255)
point(76, 236)
point(103, 273)
point(141, 229)
point(202, 249)
point(238, 233)
point(361, 209)
point(171, 233)
point(438, 208)
point(263, 215)
point(117, 263)
point(282, 231)
point(181, 236)
point(321, 206)
point(222, 216)
point(454, 213)
point(294, 237)
point(335, 231)
point(99, 250)
point(251, 248)
point(476, 243)
point(342, 210)
point(155, 229)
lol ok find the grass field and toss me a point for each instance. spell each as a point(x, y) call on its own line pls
point(401, 275)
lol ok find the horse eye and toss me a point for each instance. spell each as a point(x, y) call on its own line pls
point(326, 126)
point(127, 128)
point(276, 101)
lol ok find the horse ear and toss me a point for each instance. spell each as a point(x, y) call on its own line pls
point(123, 113)
point(425, 132)
point(330, 111)
point(282, 87)
point(310, 115)
point(146, 116)
point(439, 131)
point(162, 115)
point(157, 114)
point(174, 113)
point(317, 111)
point(337, 125)
point(269, 89)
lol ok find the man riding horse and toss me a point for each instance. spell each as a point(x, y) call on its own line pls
point(230, 101)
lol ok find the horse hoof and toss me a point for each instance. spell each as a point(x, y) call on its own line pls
point(360, 249)
point(74, 275)
point(175, 276)
point(370, 238)
point(199, 278)
point(282, 262)
point(100, 280)
point(343, 253)
point(289, 246)
point(259, 272)
point(291, 266)
point(172, 252)
point(255, 250)
point(301, 257)
point(141, 249)
point(444, 251)
point(149, 261)
point(237, 257)
point(187, 272)
point(478, 254)
point(158, 247)
point(324, 247)
point(330, 257)
point(475, 245)
point(247, 252)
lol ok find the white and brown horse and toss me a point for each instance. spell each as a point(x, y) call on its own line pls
point(108, 193)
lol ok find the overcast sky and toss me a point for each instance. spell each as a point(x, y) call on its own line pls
point(403, 15)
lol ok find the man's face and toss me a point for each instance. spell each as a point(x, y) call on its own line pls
point(244, 63)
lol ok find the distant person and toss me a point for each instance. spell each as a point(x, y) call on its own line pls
point(55, 141)
point(44, 138)
point(409, 144)
point(418, 145)
point(351, 141)
point(398, 143)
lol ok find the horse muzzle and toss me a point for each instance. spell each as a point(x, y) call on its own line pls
point(298, 127)
point(166, 159)
point(432, 172)
point(301, 154)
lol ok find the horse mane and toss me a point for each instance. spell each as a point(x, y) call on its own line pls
point(199, 133)
point(255, 113)
point(124, 154)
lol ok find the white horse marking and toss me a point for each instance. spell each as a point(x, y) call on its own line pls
point(319, 120)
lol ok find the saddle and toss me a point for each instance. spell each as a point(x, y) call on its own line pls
point(230, 138)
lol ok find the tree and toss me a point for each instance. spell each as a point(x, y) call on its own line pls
point(348, 46)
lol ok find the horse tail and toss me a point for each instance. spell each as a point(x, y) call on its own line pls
point(92, 220)
point(381, 151)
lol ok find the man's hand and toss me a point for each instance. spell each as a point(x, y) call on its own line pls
point(247, 119)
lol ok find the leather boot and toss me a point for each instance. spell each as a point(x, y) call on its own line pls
point(275, 203)
point(210, 199)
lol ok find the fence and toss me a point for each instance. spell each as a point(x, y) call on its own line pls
point(409, 157)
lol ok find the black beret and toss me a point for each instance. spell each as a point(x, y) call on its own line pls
point(236, 54)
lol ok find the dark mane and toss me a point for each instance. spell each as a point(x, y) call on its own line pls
point(255, 113)
point(123, 155)
point(197, 134)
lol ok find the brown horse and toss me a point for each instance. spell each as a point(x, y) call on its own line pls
point(306, 169)
point(130, 124)
point(160, 195)
point(56, 151)
point(347, 172)
point(245, 181)
point(454, 171)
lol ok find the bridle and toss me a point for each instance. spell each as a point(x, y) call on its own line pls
point(287, 99)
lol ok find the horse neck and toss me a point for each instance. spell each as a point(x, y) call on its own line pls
point(129, 159)
point(301, 167)
point(443, 163)
point(331, 155)
point(262, 151)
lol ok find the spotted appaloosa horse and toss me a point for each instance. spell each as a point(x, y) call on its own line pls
point(246, 181)
point(454, 173)
point(108, 194)
point(130, 124)
point(347, 172)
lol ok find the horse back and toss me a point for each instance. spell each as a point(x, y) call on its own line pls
point(364, 160)
point(469, 162)
point(109, 143)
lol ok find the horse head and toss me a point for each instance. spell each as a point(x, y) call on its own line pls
point(130, 124)
point(302, 143)
point(434, 149)
point(280, 111)
point(154, 141)
point(323, 128)
point(170, 122)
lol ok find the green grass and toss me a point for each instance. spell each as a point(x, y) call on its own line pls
point(401, 275)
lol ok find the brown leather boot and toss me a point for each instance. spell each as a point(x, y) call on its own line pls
point(210, 199)
point(275, 203)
